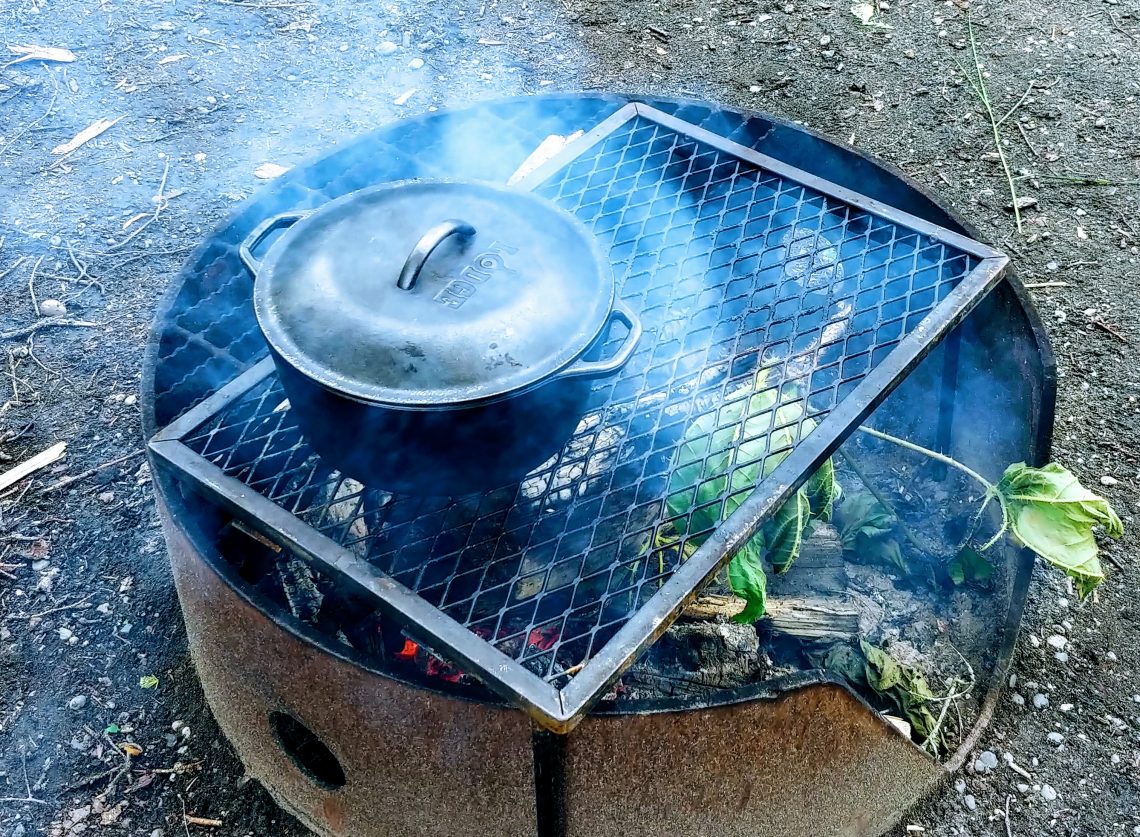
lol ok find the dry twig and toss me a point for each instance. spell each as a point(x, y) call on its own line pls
point(50, 322)
point(64, 483)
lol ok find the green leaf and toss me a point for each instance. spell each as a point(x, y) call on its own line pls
point(747, 579)
point(784, 531)
point(861, 514)
point(822, 491)
point(1050, 512)
point(148, 681)
point(969, 566)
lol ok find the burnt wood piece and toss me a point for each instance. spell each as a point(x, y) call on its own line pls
point(815, 619)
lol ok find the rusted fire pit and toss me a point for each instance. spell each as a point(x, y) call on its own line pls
point(388, 664)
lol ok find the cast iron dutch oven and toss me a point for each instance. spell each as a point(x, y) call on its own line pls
point(436, 337)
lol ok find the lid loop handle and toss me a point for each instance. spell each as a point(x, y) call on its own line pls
point(424, 247)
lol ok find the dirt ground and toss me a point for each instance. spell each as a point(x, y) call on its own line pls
point(207, 91)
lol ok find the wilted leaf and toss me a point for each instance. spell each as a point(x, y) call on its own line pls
point(747, 579)
point(1054, 515)
point(903, 685)
point(822, 491)
point(148, 681)
point(131, 749)
point(882, 550)
point(969, 566)
point(846, 661)
point(883, 673)
point(860, 514)
point(783, 533)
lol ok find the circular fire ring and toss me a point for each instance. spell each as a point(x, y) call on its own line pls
point(354, 747)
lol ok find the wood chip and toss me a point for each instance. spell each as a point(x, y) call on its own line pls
point(29, 466)
point(170, 59)
point(546, 150)
point(86, 135)
point(32, 52)
point(268, 171)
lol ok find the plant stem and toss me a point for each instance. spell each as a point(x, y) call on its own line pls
point(983, 94)
point(935, 455)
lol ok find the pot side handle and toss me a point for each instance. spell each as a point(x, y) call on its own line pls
point(597, 368)
point(285, 219)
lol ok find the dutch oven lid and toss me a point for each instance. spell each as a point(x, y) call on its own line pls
point(425, 294)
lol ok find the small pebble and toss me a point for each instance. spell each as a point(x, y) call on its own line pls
point(1056, 739)
point(156, 833)
point(1115, 759)
point(1111, 656)
point(65, 634)
point(416, 63)
point(1066, 707)
point(386, 48)
point(52, 308)
point(1022, 787)
point(1047, 793)
point(825, 40)
point(970, 802)
point(1040, 701)
point(107, 497)
point(1061, 656)
point(960, 785)
point(1013, 681)
point(1057, 642)
point(1107, 480)
point(77, 702)
point(986, 761)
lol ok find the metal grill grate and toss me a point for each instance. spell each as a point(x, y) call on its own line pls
point(767, 296)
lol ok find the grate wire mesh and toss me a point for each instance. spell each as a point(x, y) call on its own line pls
point(764, 303)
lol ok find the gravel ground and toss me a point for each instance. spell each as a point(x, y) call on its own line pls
point(208, 91)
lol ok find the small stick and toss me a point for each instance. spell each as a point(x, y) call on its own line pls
point(19, 262)
point(82, 604)
point(162, 203)
point(32, 285)
point(209, 823)
point(1105, 327)
point(47, 113)
point(1008, 830)
point(1025, 136)
point(52, 322)
point(1018, 104)
point(63, 483)
point(29, 466)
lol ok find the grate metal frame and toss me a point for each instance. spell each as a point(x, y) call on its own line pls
point(560, 709)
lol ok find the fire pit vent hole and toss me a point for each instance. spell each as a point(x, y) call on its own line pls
point(309, 753)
